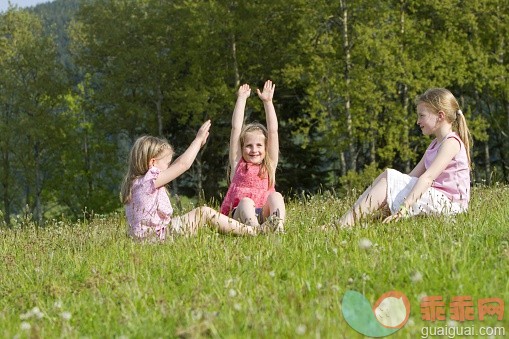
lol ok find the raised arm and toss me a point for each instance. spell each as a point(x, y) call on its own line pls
point(237, 121)
point(271, 119)
point(447, 151)
point(184, 162)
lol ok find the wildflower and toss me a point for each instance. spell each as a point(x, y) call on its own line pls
point(421, 296)
point(237, 307)
point(25, 326)
point(365, 244)
point(301, 329)
point(66, 315)
point(416, 277)
point(272, 274)
point(232, 293)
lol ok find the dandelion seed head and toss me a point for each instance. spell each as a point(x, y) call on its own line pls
point(232, 293)
point(301, 329)
point(25, 326)
point(421, 296)
point(66, 315)
point(365, 244)
point(416, 277)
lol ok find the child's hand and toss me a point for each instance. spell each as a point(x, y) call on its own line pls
point(203, 132)
point(268, 91)
point(244, 91)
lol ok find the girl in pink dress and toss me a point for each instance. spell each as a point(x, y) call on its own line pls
point(440, 183)
point(147, 205)
point(253, 158)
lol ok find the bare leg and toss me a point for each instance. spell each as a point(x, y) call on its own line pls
point(246, 212)
point(200, 216)
point(373, 198)
point(275, 205)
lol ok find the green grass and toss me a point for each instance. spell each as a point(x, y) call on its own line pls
point(268, 286)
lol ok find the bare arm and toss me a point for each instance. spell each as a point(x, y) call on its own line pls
point(447, 151)
point(237, 120)
point(271, 118)
point(418, 170)
point(184, 162)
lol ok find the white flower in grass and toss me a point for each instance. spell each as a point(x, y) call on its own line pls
point(25, 326)
point(318, 286)
point(421, 296)
point(272, 274)
point(411, 322)
point(335, 250)
point(196, 314)
point(350, 280)
point(237, 307)
point(57, 304)
point(365, 244)
point(416, 277)
point(452, 323)
point(301, 329)
point(232, 293)
point(66, 315)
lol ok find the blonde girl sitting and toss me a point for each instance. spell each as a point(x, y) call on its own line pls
point(253, 158)
point(147, 205)
point(440, 183)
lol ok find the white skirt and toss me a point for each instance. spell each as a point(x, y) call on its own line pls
point(432, 201)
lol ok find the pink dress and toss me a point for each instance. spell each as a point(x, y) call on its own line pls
point(246, 183)
point(454, 181)
point(149, 211)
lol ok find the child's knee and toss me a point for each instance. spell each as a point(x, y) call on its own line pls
point(276, 196)
point(205, 211)
point(246, 203)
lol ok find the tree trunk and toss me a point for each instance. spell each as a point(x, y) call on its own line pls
point(38, 184)
point(235, 63)
point(352, 165)
point(5, 184)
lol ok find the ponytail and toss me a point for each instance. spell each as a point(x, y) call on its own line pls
point(463, 132)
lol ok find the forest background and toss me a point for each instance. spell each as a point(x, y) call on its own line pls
point(80, 80)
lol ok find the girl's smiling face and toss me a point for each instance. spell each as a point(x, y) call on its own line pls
point(253, 149)
point(426, 119)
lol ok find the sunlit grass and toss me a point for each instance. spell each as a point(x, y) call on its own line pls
point(89, 279)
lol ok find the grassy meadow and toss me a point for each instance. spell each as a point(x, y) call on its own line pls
point(87, 279)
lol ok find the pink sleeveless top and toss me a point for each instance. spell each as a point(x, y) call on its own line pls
point(246, 184)
point(454, 181)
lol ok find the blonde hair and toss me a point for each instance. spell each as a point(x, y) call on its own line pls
point(441, 99)
point(144, 148)
point(267, 167)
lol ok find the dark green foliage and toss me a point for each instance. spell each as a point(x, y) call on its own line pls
point(346, 75)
